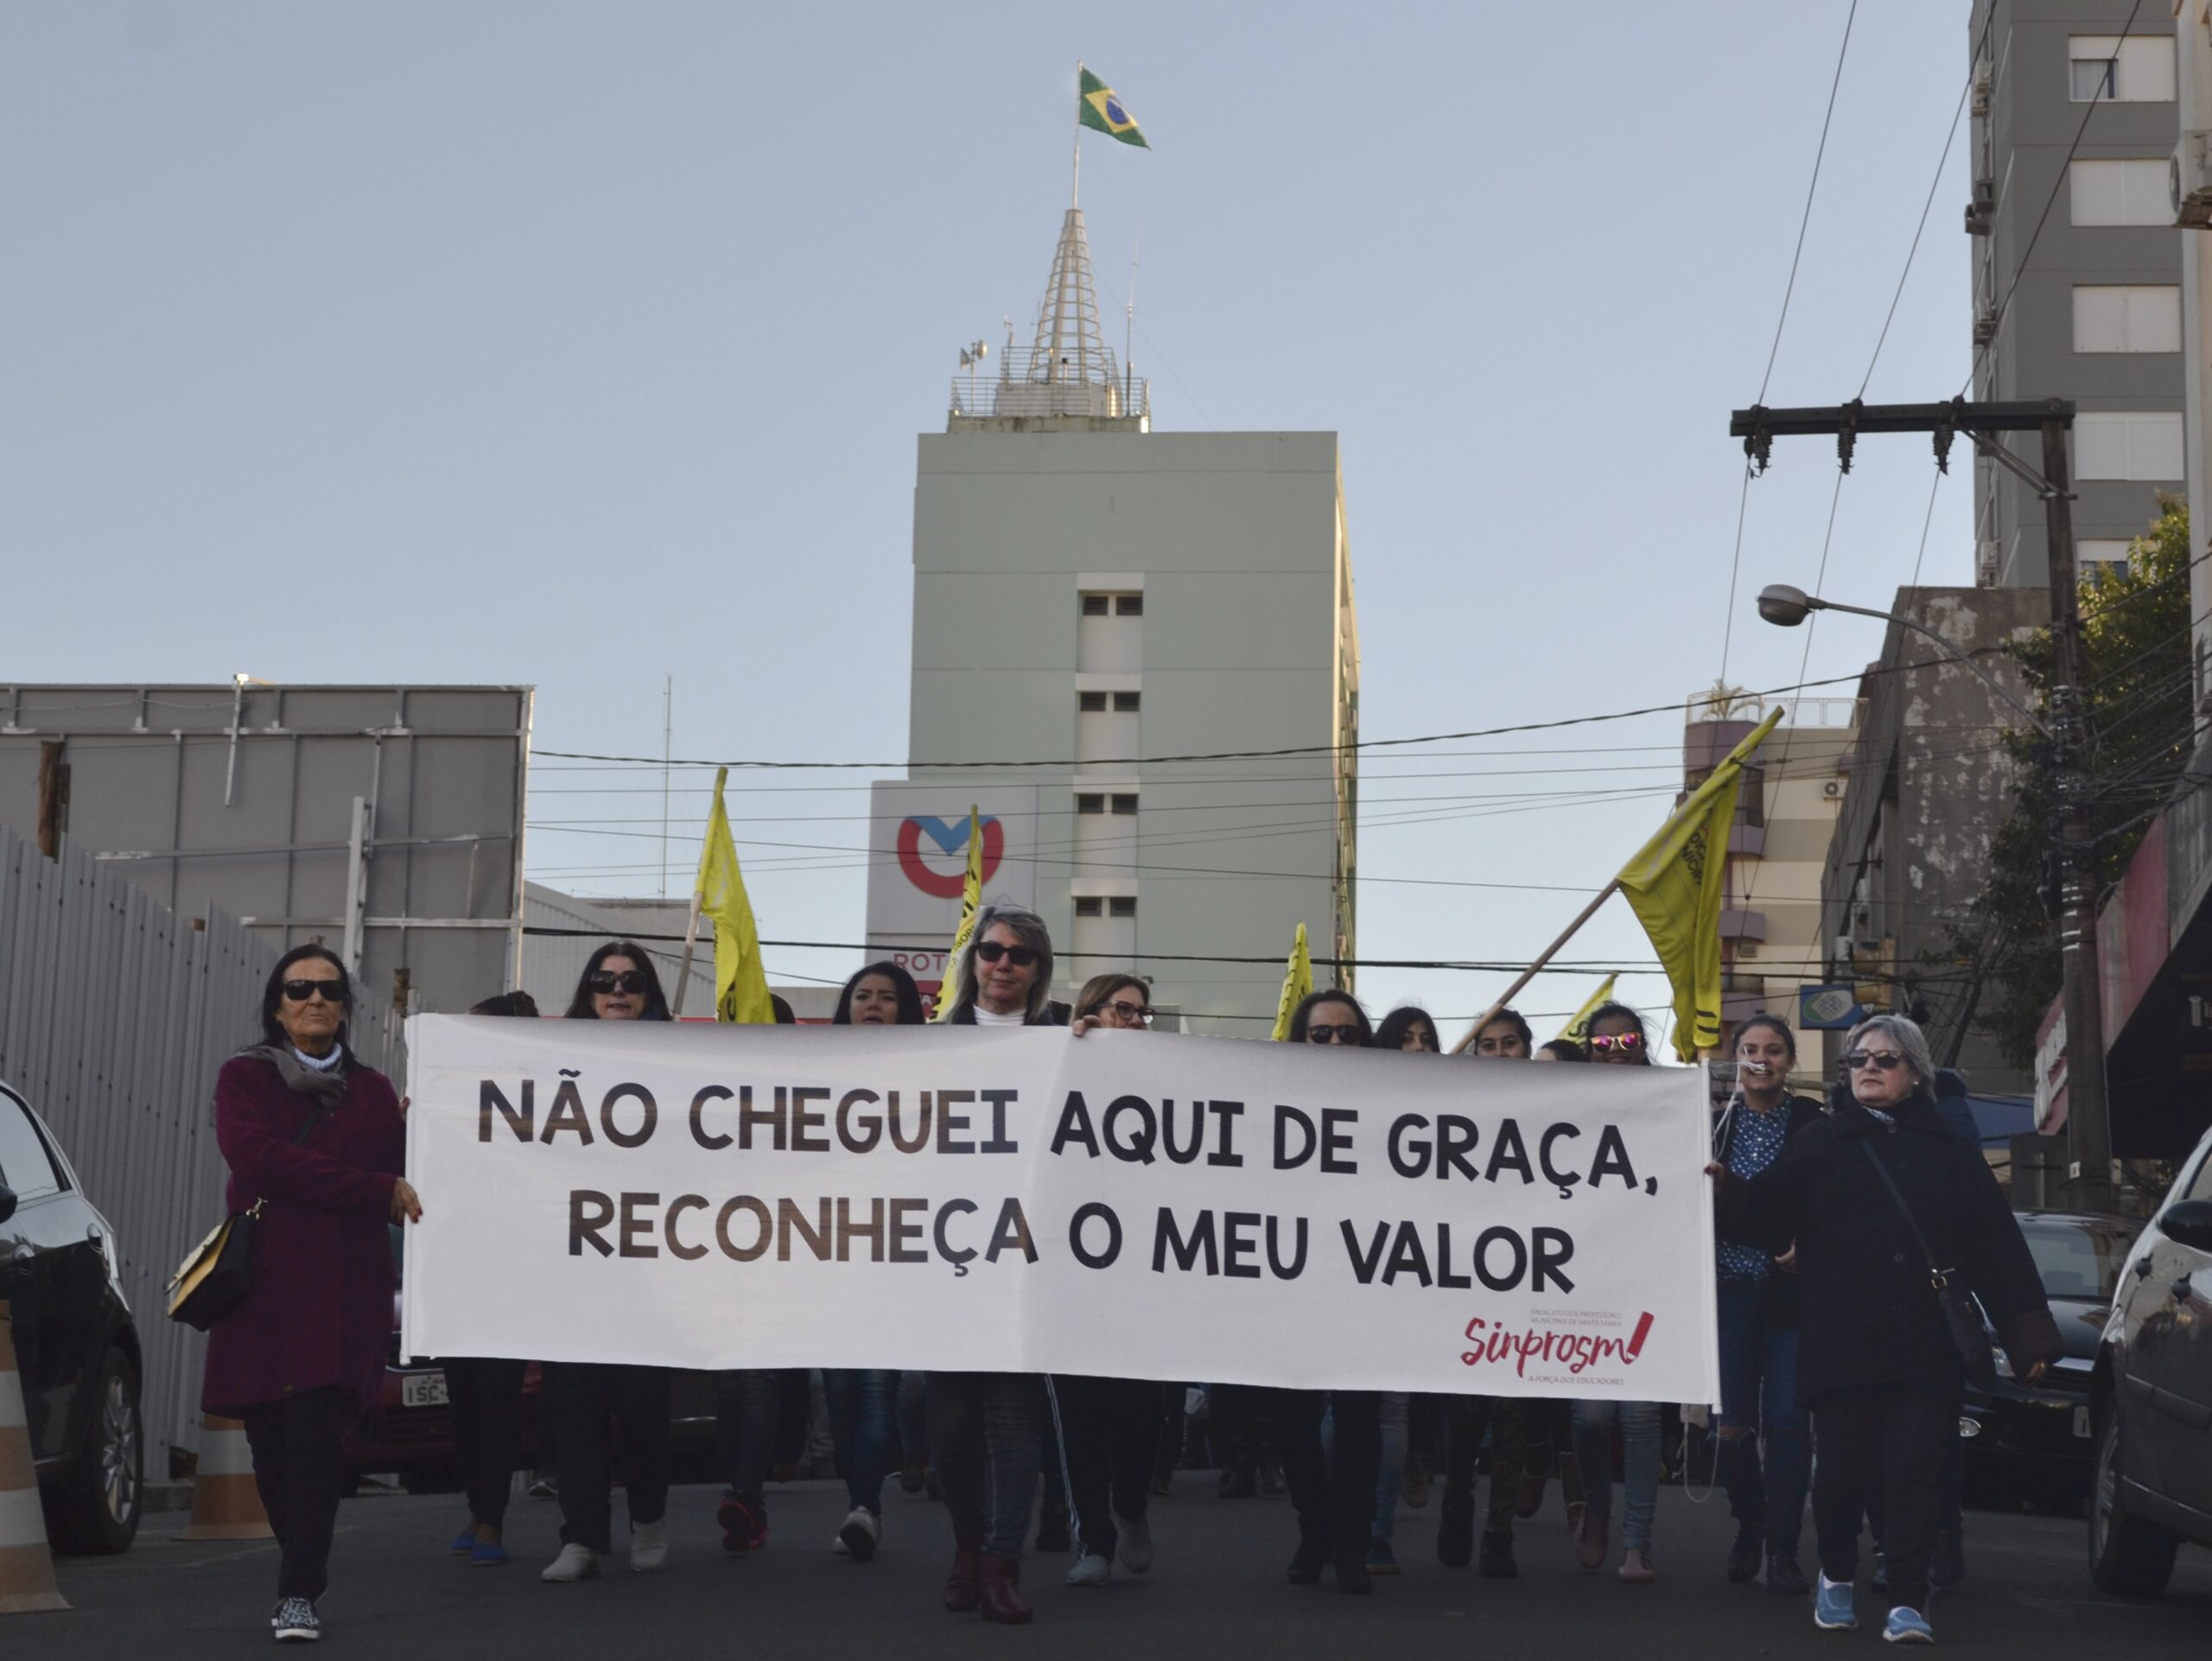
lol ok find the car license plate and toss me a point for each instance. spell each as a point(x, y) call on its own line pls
point(2081, 1423)
point(429, 1389)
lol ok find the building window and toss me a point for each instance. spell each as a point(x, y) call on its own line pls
point(1130, 605)
point(1122, 904)
point(2120, 192)
point(2100, 551)
point(2126, 318)
point(1089, 905)
point(1091, 804)
point(1094, 605)
point(1090, 702)
point(2144, 446)
point(1126, 806)
point(1125, 703)
point(2105, 69)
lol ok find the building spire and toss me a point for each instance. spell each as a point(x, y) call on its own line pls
point(1069, 350)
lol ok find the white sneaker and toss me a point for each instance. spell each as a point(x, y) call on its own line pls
point(1091, 1569)
point(648, 1547)
point(575, 1563)
point(1134, 1552)
point(859, 1534)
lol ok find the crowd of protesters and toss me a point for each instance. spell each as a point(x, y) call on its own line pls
point(1840, 1381)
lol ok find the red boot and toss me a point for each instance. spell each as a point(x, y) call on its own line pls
point(1001, 1582)
point(963, 1587)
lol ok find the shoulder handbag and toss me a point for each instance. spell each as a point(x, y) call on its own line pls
point(1969, 1334)
point(216, 1275)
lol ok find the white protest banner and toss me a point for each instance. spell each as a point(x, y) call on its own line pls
point(1127, 1204)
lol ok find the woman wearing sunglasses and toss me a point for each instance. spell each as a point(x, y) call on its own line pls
point(987, 1429)
point(316, 1143)
point(619, 983)
point(1617, 1038)
point(1332, 1487)
point(1110, 1429)
point(1879, 1197)
point(1763, 1459)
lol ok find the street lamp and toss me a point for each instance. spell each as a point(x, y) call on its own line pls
point(1786, 607)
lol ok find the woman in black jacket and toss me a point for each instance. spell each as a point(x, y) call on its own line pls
point(1758, 1325)
point(1875, 1363)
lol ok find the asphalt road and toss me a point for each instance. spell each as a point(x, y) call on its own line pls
point(1217, 1591)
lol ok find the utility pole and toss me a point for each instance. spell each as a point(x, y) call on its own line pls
point(2088, 1109)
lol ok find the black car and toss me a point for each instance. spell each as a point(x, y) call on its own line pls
point(2150, 1397)
point(76, 1347)
point(2033, 1441)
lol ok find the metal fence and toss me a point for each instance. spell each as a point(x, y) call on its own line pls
point(115, 1017)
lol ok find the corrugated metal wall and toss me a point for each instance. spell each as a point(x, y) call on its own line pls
point(115, 1017)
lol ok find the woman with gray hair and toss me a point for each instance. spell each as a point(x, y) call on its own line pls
point(1004, 977)
point(1892, 1212)
point(987, 1429)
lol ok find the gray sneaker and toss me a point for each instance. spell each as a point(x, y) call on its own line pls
point(294, 1622)
point(1135, 1547)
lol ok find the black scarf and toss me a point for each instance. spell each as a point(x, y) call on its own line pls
point(328, 1089)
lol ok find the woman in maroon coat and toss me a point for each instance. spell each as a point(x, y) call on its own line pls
point(316, 1140)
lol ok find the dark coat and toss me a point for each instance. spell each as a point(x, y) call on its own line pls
point(1869, 1315)
point(319, 1309)
point(1782, 1300)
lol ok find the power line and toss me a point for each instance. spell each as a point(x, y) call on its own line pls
point(1790, 287)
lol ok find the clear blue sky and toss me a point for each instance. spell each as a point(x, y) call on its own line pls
point(580, 344)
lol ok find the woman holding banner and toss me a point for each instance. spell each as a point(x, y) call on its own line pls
point(316, 1143)
point(1108, 1428)
point(987, 1429)
point(1617, 1038)
point(1333, 1488)
point(1888, 1212)
point(1757, 1294)
point(619, 983)
point(863, 1402)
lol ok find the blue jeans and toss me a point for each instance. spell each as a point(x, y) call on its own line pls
point(863, 1422)
point(987, 1435)
point(1758, 1399)
point(1594, 1453)
point(914, 1417)
point(748, 1411)
point(1396, 1410)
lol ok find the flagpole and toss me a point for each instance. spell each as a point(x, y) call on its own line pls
point(1075, 190)
point(691, 941)
point(1536, 968)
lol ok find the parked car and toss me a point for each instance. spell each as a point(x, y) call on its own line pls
point(2150, 1397)
point(76, 1347)
point(407, 1431)
point(2033, 1441)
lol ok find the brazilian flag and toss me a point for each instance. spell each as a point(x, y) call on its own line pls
point(1097, 106)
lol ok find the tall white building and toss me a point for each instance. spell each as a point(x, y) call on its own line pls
point(1137, 652)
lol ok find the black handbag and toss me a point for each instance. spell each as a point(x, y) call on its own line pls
point(217, 1274)
point(1969, 1332)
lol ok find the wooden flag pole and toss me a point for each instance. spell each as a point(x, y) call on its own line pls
point(690, 943)
point(1536, 968)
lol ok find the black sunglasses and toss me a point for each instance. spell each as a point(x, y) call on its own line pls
point(603, 980)
point(1880, 1060)
point(328, 991)
point(1020, 956)
point(1332, 1035)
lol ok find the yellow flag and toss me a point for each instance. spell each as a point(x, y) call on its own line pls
point(1676, 881)
point(1297, 984)
point(740, 981)
point(1578, 1030)
point(971, 901)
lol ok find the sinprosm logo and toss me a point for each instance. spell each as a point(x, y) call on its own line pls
point(950, 840)
point(1551, 1349)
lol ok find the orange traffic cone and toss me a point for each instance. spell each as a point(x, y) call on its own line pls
point(26, 1566)
point(226, 1504)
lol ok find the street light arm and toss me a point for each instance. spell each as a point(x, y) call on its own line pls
point(1949, 650)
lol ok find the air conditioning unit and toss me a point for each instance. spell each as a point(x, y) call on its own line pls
point(1985, 565)
point(1986, 325)
point(1832, 788)
point(1747, 948)
point(2188, 180)
point(1981, 212)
